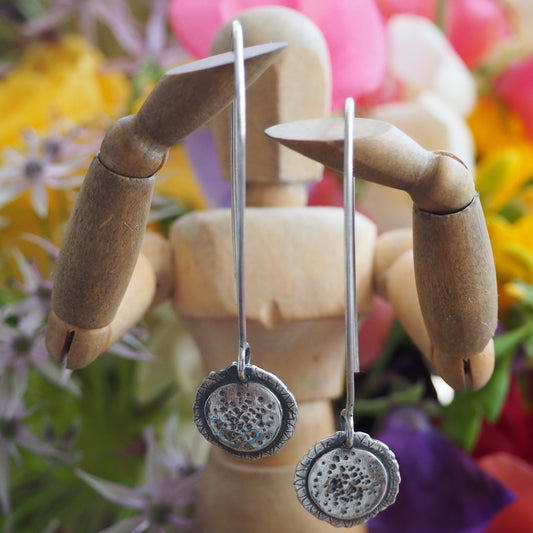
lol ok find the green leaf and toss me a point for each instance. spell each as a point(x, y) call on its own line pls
point(492, 396)
point(462, 420)
point(463, 417)
point(510, 341)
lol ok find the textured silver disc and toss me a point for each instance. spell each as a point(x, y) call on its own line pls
point(244, 416)
point(347, 486)
point(250, 418)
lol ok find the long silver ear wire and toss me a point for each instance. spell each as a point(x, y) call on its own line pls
point(242, 408)
point(348, 478)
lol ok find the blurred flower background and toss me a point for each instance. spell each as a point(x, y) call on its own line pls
point(110, 447)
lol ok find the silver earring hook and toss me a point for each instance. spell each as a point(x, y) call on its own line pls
point(351, 323)
point(238, 192)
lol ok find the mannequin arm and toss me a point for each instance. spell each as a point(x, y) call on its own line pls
point(394, 280)
point(101, 247)
point(453, 263)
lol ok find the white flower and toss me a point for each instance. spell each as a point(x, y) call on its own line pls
point(422, 58)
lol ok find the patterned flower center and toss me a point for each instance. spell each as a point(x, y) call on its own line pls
point(22, 344)
point(8, 428)
point(159, 513)
point(33, 169)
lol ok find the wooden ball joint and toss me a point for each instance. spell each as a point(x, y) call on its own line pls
point(440, 278)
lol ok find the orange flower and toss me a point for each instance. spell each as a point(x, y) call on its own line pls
point(494, 126)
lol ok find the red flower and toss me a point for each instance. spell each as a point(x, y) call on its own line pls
point(513, 432)
point(517, 475)
point(515, 86)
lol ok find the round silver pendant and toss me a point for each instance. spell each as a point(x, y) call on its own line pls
point(250, 418)
point(347, 486)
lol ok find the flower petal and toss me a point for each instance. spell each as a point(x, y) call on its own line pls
point(422, 8)
point(375, 332)
point(476, 27)
point(515, 86)
point(117, 15)
point(180, 522)
point(435, 471)
point(195, 23)
point(201, 150)
point(517, 516)
point(327, 191)
point(154, 466)
point(4, 480)
point(422, 58)
point(156, 28)
point(510, 470)
point(432, 123)
point(57, 375)
point(513, 432)
point(126, 526)
point(355, 33)
point(30, 442)
point(353, 29)
point(130, 347)
point(114, 492)
point(39, 199)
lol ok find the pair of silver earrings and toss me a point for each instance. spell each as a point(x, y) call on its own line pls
point(346, 478)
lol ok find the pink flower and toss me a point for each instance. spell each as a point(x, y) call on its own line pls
point(354, 31)
point(475, 27)
point(423, 8)
point(515, 86)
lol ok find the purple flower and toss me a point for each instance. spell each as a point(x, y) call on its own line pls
point(55, 161)
point(36, 289)
point(22, 346)
point(164, 501)
point(85, 15)
point(14, 434)
point(59, 12)
point(153, 44)
point(200, 147)
point(442, 489)
point(130, 346)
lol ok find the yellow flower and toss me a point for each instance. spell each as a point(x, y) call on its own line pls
point(58, 79)
point(494, 126)
point(511, 244)
point(503, 180)
point(177, 180)
point(18, 218)
point(501, 175)
point(53, 82)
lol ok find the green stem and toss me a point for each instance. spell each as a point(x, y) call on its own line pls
point(442, 10)
point(380, 406)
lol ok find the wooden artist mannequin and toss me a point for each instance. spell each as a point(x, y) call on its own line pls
point(294, 260)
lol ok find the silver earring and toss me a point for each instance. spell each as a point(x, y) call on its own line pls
point(243, 409)
point(348, 478)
